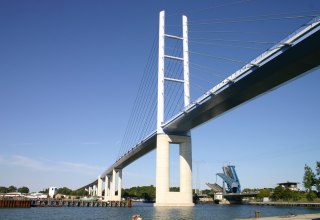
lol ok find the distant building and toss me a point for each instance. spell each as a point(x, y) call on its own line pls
point(290, 185)
point(59, 196)
point(53, 191)
point(12, 194)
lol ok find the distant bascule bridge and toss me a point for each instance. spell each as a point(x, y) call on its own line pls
point(230, 191)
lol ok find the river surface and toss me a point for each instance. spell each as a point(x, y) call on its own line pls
point(147, 211)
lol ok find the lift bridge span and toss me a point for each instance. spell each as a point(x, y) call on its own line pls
point(287, 60)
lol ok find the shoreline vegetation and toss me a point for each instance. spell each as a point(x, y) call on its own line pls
point(284, 193)
point(147, 193)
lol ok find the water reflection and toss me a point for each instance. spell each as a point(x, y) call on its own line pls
point(181, 213)
point(148, 212)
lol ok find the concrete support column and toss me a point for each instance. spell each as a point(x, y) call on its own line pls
point(113, 186)
point(94, 190)
point(110, 186)
point(186, 171)
point(163, 195)
point(90, 191)
point(106, 188)
point(99, 190)
point(162, 168)
point(119, 184)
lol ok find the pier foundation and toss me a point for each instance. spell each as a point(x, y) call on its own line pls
point(163, 195)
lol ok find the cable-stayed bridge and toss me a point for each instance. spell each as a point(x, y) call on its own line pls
point(293, 56)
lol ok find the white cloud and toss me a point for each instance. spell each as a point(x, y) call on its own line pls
point(18, 160)
point(43, 164)
point(80, 167)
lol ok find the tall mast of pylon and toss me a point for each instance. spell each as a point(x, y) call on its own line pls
point(161, 67)
point(160, 115)
point(186, 61)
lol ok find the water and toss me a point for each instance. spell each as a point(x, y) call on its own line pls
point(147, 211)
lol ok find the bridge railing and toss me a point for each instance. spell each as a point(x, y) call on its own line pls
point(147, 144)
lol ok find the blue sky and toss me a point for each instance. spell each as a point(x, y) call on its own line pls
point(70, 70)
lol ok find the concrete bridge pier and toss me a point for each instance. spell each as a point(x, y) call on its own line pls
point(107, 187)
point(90, 190)
point(163, 195)
point(119, 185)
point(99, 189)
point(111, 181)
point(94, 190)
point(116, 193)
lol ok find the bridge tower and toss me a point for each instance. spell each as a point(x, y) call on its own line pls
point(163, 195)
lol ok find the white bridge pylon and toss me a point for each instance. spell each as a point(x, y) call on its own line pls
point(163, 195)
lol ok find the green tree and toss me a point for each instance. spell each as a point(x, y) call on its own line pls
point(317, 180)
point(23, 189)
point(247, 190)
point(264, 193)
point(3, 189)
point(146, 192)
point(308, 178)
point(80, 192)
point(208, 192)
point(311, 196)
point(286, 195)
point(277, 193)
point(65, 191)
point(281, 193)
point(174, 189)
point(125, 193)
point(296, 196)
point(12, 189)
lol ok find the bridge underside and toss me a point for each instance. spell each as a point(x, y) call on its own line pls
point(293, 62)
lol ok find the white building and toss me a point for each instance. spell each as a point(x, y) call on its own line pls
point(52, 191)
point(290, 185)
